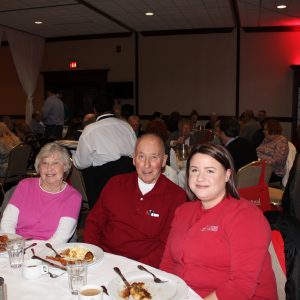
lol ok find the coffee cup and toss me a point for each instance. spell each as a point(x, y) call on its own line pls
point(90, 292)
point(33, 269)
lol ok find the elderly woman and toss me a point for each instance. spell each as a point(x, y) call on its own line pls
point(219, 243)
point(8, 140)
point(45, 208)
point(274, 149)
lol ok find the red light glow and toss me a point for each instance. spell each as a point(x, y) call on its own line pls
point(73, 64)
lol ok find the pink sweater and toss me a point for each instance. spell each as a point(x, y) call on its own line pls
point(40, 212)
point(222, 249)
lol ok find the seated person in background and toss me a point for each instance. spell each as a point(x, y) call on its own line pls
point(105, 148)
point(259, 135)
point(249, 125)
point(241, 150)
point(194, 116)
point(135, 123)
point(158, 127)
point(23, 131)
point(218, 244)
point(274, 149)
point(172, 121)
point(213, 119)
point(45, 208)
point(8, 140)
point(134, 211)
point(77, 125)
point(182, 135)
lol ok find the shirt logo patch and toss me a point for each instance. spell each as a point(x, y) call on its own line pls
point(210, 228)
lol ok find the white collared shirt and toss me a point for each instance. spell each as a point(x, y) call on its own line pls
point(104, 141)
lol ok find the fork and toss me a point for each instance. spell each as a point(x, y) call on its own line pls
point(156, 279)
point(52, 275)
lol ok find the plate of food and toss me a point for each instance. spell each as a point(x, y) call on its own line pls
point(4, 238)
point(143, 287)
point(70, 252)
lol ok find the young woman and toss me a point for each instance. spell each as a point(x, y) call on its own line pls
point(219, 243)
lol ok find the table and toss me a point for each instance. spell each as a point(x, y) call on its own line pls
point(46, 288)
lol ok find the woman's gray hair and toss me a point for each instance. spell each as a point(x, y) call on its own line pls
point(48, 150)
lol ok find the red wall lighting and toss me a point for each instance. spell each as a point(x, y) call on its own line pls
point(73, 64)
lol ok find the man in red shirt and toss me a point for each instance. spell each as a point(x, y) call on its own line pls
point(133, 213)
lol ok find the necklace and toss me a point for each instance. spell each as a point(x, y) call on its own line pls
point(50, 189)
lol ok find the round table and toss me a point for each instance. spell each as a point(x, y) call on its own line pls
point(46, 288)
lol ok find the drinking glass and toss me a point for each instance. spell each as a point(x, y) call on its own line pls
point(77, 275)
point(15, 249)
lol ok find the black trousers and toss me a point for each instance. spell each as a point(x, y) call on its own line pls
point(95, 178)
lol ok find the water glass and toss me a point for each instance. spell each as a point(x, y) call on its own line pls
point(15, 249)
point(77, 275)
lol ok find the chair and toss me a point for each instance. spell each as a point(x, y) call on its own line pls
point(76, 180)
point(252, 183)
point(249, 174)
point(6, 199)
point(289, 162)
point(17, 165)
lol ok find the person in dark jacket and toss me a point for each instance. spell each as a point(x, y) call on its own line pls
point(241, 150)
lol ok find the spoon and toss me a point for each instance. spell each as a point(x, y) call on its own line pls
point(56, 253)
point(32, 245)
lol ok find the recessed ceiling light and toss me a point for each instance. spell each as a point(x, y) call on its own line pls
point(149, 13)
point(38, 22)
point(281, 6)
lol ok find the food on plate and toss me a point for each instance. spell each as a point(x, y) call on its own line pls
point(137, 291)
point(3, 241)
point(73, 254)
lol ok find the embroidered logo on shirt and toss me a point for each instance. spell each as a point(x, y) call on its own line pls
point(210, 228)
point(152, 213)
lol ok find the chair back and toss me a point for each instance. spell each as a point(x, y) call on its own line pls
point(17, 163)
point(76, 180)
point(289, 162)
point(251, 184)
point(248, 175)
point(6, 199)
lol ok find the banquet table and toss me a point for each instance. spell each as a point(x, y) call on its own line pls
point(46, 288)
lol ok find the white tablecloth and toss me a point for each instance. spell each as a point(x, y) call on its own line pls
point(46, 288)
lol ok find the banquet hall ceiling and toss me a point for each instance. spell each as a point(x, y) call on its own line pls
point(73, 18)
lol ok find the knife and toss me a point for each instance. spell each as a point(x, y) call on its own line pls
point(47, 262)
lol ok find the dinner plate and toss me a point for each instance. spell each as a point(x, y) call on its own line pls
point(11, 236)
point(174, 289)
point(97, 251)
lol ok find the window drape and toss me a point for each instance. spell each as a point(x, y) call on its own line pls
point(27, 51)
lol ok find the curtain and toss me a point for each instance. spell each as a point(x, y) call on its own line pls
point(27, 52)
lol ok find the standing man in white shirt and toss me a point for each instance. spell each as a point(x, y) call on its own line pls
point(53, 114)
point(105, 148)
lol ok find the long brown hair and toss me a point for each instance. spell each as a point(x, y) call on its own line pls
point(220, 154)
